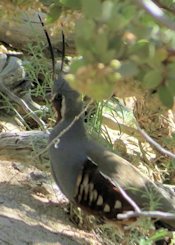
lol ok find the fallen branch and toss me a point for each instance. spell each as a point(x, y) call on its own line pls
point(26, 28)
point(25, 147)
point(11, 74)
point(22, 103)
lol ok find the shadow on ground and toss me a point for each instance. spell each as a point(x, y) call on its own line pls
point(27, 216)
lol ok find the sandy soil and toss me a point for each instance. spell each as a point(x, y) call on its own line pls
point(32, 210)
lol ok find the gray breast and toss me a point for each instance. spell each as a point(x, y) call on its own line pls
point(67, 159)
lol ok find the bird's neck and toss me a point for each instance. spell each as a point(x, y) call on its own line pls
point(71, 109)
point(69, 129)
point(71, 116)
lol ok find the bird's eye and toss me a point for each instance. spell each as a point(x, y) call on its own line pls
point(59, 97)
point(57, 103)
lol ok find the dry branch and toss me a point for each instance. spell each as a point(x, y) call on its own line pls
point(25, 147)
point(26, 28)
point(14, 86)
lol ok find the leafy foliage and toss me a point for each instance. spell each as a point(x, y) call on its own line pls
point(114, 30)
point(118, 30)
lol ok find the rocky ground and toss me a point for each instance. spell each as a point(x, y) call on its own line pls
point(32, 210)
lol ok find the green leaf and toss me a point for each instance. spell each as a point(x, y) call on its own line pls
point(91, 8)
point(170, 71)
point(107, 7)
point(129, 11)
point(114, 15)
point(108, 56)
point(101, 89)
point(152, 79)
point(117, 22)
point(100, 46)
point(171, 85)
point(166, 96)
point(76, 64)
point(141, 48)
point(74, 4)
point(128, 69)
point(85, 29)
point(54, 13)
point(144, 242)
point(49, 2)
point(159, 56)
point(160, 234)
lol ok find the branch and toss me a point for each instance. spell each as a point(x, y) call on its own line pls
point(154, 143)
point(151, 214)
point(26, 28)
point(24, 147)
point(138, 212)
point(56, 140)
point(163, 6)
point(128, 198)
point(157, 13)
point(22, 103)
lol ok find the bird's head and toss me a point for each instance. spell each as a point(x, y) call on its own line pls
point(66, 101)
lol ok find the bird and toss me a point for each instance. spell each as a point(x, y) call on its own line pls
point(92, 177)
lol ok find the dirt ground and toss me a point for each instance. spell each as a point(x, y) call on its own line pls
point(32, 210)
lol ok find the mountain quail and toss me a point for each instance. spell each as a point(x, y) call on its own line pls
point(91, 176)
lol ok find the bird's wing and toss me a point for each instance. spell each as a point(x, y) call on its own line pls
point(145, 193)
point(96, 193)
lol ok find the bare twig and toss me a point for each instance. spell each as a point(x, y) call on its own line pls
point(154, 143)
point(157, 13)
point(14, 53)
point(128, 198)
point(56, 140)
point(163, 6)
point(138, 212)
point(22, 103)
point(151, 214)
